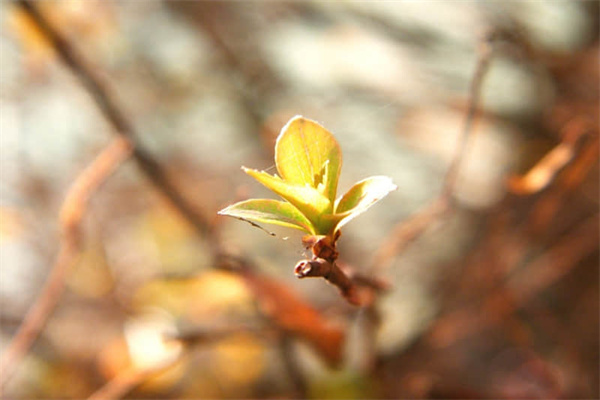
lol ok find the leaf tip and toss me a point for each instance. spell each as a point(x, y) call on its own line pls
point(223, 211)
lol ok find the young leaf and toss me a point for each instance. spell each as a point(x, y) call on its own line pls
point(361, 196)
point(306, 199)
point(308, 154)
point(269, 211)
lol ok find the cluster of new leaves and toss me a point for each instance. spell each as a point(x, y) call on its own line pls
point(309, 160)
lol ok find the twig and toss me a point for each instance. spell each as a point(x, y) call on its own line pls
point(72, 211)
point(122, 126)
point(542, 174)
point(546, 207)
point(292, 315)
point(357, 289)
point(331, 272)
point(522, 287)
point(297, 380)
point(129, 379)
point(407, 231)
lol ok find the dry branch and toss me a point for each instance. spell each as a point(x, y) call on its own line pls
point(121, 124)
point(548, 167)
point(288, 312)
point(129, 379)
point(538, 275)
point(407, 231)
point(72, 211)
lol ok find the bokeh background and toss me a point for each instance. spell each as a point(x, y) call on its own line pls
point(498, 299)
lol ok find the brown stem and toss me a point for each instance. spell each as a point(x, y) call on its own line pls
point(72, 211)
point(129, 379)
point(408, 230)
point(332, 273)
point(122, 126)
point(297, 380)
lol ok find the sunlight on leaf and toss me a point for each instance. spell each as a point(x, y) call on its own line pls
point(361, 196)
point(270, 212)
point(308, 154)
point(309, 160)
point(306, 199)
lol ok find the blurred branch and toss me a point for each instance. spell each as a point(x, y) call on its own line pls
point(288, 312)
point(129, 379)
point(545, 270)
point(233, 36)
point(407, 231)
point(549, 166)
point(548, 206)
point(71, 214)
point(121, 124)
point(297, 380)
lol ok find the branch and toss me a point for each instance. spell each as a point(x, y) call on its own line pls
point(129, 379)
point(332, 273)
point(291, 314)
point(357, 289)
point(520, 288)
point(122, 126)
point(72, 211)
point(407, 231)
point(295, 375)
point(546, 170)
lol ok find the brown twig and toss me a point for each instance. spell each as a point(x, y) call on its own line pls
point(129, 379)
point(517, 292)
point(332, 273)
point(357, 289)
point(541, 175)
point(72, 211)
point(297, 379)
point(407, 231)
point(292, 315)
point(122, 126)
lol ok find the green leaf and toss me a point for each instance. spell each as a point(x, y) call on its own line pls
point(269, 211)
point(307, 154)
point(309, 201)
point(361, 196)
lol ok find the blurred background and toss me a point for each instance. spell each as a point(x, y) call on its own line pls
point(497, 299)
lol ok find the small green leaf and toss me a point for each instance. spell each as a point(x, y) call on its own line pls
point(269, 211)
point(361, 196)
point(308, 200)
point(309, 159)
point(308, 154)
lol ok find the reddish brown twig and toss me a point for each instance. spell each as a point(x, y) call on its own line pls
point(542, 272)
point(291, 314)
point(332, 274)
point(548, 167)
point(72, 211)
point(122, 126)
point(407, 231)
